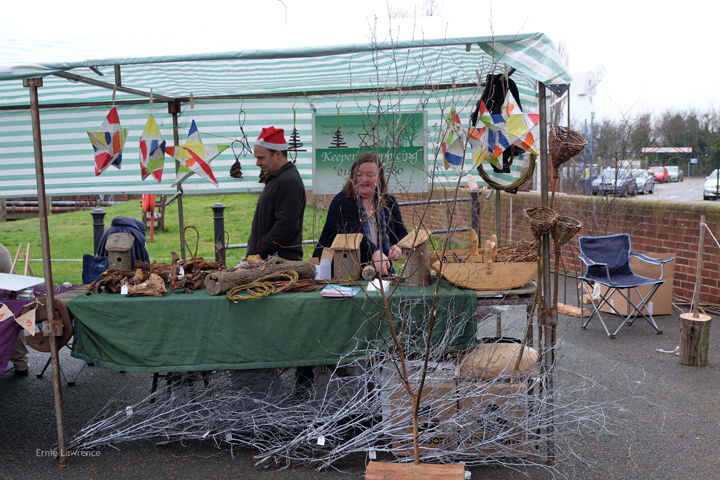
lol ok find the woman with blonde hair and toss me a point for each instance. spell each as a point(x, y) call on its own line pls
point(364, 206)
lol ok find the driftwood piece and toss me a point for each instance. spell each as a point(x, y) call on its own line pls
point(218, 283)
point(694, 339)
point(176, 282)
point(152, 287)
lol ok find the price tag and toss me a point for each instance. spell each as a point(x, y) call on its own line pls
point(27, 321)
point(372, 454)
point(321, 440)
point(129, 411)
point(5, 312)
point(124, 290)
point(181, 272)
point(228, 437)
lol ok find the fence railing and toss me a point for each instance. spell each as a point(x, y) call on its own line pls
point(98, 215)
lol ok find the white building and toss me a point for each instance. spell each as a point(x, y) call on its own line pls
point(582, 92)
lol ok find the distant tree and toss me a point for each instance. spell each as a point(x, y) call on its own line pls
point(428, 8)
point(623, 138)
point(690, 128)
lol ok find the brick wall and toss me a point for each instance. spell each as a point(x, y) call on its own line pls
point(657, 228)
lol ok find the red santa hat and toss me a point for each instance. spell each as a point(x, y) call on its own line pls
point(272, 138)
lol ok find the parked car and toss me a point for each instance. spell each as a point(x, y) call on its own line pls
point(645, 181)
point(661, 174)
point(605, 183)
point(675, 174)
point(711, 189)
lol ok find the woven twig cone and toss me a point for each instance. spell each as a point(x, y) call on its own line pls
point(541, 220)
point(563, 230)
point(564, 144)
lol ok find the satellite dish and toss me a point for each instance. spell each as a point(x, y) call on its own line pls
point(599, 74)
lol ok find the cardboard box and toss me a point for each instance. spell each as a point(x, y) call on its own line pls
point(438, 406)
point(661, 303)
point(494, 418)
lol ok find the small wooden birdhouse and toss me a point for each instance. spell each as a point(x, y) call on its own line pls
point(346, 257)
point(118, 246)
point(416, 253)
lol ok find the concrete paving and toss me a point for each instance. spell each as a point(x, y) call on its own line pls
point(665, 419)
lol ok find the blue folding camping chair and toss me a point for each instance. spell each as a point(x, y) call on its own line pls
point(607, 261)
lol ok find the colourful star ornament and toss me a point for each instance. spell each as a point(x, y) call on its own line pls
point(108, 143)
point(490, 140)
point(152, 151)
point(522, 128)
point(194, 157)
point(453, 144)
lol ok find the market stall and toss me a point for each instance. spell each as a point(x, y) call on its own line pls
point(226, 97)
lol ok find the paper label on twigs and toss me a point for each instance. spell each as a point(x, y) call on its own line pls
point(27, 321)
point(372, 454)
point(468, 475)
point(129, 411)
point(181, 272)
point(228, 437)
point(124, 290)
point(206, 434)
point(5, 312)
point(321, 440)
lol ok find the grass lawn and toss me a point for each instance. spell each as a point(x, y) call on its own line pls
point(71, 234)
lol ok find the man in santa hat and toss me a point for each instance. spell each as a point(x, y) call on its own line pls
point(277, 225)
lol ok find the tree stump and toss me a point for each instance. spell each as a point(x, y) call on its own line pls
point(694, 339)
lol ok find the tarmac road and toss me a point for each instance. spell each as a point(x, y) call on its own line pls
point(689, 190)
point(667, 416)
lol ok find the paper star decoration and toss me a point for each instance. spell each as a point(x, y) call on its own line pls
point(522, 128)
point(194, 157)
point(108, 143)
point(453, 144)
point(490, 140)
point(500, 131)
point(152, 151)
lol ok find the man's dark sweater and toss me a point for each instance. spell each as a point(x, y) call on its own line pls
point(278, 222)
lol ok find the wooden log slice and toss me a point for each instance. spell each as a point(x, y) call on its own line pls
point(694, 339)
point(219, 283)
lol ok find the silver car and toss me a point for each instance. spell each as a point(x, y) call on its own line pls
point(645, 181)
point(674, 174)
point(711, 189)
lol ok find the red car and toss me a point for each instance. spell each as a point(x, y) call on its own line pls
point(661, 174)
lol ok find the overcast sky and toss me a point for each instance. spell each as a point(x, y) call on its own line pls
point(657, 55)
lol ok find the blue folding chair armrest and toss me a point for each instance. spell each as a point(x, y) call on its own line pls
point(590, 263)
point(654, 261)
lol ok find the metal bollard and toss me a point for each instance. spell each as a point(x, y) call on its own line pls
point(219, 223)
point(98, 227)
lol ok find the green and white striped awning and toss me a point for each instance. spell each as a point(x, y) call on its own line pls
point(276, 87)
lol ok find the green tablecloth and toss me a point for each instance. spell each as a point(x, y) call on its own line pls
point(181, 332)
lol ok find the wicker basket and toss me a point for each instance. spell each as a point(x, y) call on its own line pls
point(564, 144)
point(541, 220)
point(563, 230)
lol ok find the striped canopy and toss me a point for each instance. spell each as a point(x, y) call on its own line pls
point(249, 88)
